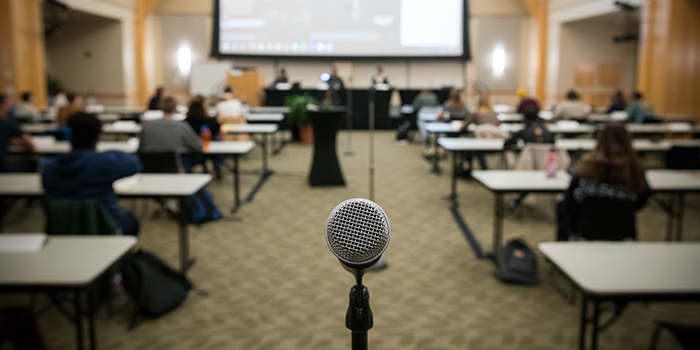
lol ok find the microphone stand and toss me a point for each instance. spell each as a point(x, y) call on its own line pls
point(349, 152)
point(359, 318)
point(372, 92)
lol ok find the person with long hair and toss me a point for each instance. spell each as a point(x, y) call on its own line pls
point(198, 118)
point(454, 108)
point(607, 188)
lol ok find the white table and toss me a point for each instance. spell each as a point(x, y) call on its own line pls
point(510, 117)
point(270, 109)
point(662, 128)
point(433, 130)
point(502, 182)
point(264, 130)
point(65, 263)
point(180, 186)
point(553, 128)
point(265, 117)
point(625, 271)
point(458, 145)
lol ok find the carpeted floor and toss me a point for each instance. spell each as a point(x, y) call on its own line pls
point(274, 284)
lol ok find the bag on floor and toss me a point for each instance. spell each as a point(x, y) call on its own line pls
point(155, 288)
point(402, 131)
point(517, 263)
point(202, 208)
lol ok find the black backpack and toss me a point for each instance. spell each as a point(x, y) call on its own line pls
point(517, 264)
point(153, 286)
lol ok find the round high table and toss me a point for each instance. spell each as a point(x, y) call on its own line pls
point(325, 169)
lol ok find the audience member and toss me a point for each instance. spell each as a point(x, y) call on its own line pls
point(154, 103)
point(230, 111)
point(74, 106)
point(534, 131)
point(454, 108)
point(167, 135)
point(617, 102)
point(335, 81)
point(380, 77)
point(484, 114)
point(26, 111)
point(85, 173)
point(10, 134)
point(198, 118)
point(607, 188)
point(426, 98)
point(570, 109)
point(281, 78)
point(639, 110)
point(526, 103)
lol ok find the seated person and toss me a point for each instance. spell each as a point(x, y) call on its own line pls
point(10, 134)
point(380, 77)
point(483, 115)
point(526, 103)
point(74, 106)
point(534, 131)
point(454, 108)
point(335, 81)
point(26, 111)
point(639, 110)
point(570, 109)
point(198, 118)
point(85, 173)
point(607, 188)
point(231, 111)
point(281, 78)
point(426, 98)
point(168, 135)
point(617, 102)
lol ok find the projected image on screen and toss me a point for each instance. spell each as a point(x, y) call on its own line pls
point(341, 27)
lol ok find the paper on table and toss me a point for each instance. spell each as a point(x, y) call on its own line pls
point(125, 184)
point(23, 242)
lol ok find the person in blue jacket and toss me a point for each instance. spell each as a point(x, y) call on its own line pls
point(85, 173)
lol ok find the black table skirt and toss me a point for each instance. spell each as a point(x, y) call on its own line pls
point(325, 169)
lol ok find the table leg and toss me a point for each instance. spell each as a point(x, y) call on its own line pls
point(594, 336)
point(91, 320)
point(236, 185)
point(436, 156)
point(185, 261)
point(679, 217)
point(78, 320)
point(264, 155)
point(455, 156)
point(497, 226)
point(672, 209)
point(584, 315)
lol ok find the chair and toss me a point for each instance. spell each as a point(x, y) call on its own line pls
point(533, 156)
point(683, 158)
point(160, 163)
point(85, 216)
point(595, 221)
point(688, 336)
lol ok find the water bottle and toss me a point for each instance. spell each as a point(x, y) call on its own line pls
point(552, 163)
point(205, 134)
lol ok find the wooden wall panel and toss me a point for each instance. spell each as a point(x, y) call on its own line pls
point(584, 74)
point(609, 74)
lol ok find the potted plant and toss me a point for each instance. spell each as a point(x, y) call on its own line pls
point(298, 118)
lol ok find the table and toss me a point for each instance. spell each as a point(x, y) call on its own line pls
point(325, 168)
point(556, 129)
point(115, 128)
point(432, 130)
point(625, 271)
point(65, 263)
point(502, 182)
point(459, 145)
point(264, 130)
point(265, 117)
point(180, 186)
point(270, 109)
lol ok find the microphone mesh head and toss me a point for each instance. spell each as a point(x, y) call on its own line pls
point(357, 231)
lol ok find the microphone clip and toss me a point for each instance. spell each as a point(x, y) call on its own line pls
point(359, 317)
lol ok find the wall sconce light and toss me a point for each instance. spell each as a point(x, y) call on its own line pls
point(184, 58)
point(499, 60)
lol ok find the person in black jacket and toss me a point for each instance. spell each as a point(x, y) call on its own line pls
point(534, 131)
point(197, 117)
point(606, 190)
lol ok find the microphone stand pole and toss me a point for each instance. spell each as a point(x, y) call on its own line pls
point(359, 318)
point(372, 93)
point(348, 108)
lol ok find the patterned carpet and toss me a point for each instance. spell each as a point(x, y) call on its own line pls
point(274, 284)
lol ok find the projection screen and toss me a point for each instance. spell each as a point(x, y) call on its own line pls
point(340, 28)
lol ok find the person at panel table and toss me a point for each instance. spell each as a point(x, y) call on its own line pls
point(380, 77)
point(281, 78)
point(335, 82)
point(85, 173)
point(607, 188)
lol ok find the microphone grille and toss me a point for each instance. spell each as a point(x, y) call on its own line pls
point(357, 231)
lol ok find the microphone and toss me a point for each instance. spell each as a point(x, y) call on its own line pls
point(358, 233)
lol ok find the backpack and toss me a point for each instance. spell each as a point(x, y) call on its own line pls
point(517, 263)
point(153, 286)
point(202, 208)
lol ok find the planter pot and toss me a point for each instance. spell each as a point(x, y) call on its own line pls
point(306, 134)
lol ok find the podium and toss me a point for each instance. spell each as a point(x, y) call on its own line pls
point(325, 168)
